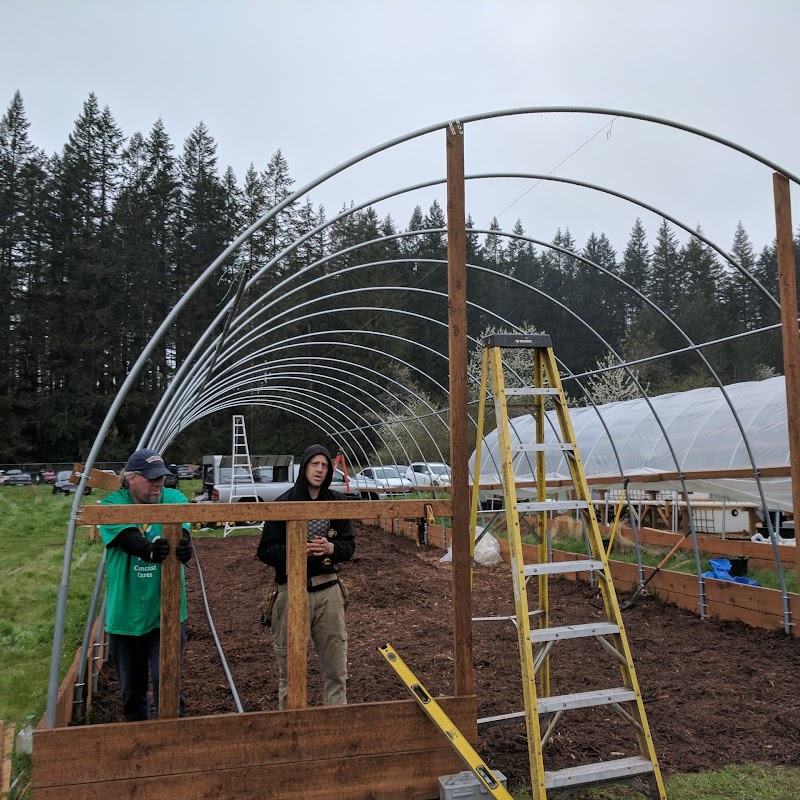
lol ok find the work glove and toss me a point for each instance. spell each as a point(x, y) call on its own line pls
point(159, 550)
point(184, 550)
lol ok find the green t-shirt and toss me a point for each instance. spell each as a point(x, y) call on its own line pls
point(134, 585)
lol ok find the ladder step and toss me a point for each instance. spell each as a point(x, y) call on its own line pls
point(535, 447)
point(553, 505)
point(602, 772)
point(565, 702)
point(500, 719)
point(573, 632)
point(596, 697)
point(561, 567)
point(511, 618)
point(532, 391)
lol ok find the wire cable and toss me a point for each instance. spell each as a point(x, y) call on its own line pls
point(608, 125)
point(236, 700)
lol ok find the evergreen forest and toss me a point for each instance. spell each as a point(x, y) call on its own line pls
point(100, 240)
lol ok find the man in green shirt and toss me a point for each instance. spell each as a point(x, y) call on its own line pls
point(135, 553)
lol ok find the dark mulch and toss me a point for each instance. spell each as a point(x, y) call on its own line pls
point(716, 693)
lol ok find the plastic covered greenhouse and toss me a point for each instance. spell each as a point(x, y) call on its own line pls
point(711, 436)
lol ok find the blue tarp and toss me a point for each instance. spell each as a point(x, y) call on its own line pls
point(721, 570)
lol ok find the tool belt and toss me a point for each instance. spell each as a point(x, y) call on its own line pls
point(316, 582)
point(266, 606)
point(314, 585)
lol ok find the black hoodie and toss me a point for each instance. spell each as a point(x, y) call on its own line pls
point(272, 547)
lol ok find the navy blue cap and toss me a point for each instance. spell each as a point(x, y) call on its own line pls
point(149, 463)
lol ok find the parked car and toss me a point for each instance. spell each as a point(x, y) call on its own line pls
point(16, 477)
point(242, 475)
point(3, 477)
point(388, 477)
point(428, 473)
point(61, 485)
point(171, 480)
point(48, 475)
point(267, 488)
point(185, 472)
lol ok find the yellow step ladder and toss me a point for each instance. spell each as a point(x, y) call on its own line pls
point(543, 711)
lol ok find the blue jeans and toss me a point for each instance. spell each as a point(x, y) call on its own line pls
point(135, 657)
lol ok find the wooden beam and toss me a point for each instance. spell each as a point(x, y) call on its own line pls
point(6, 748)
point(459, 436)
point(241, 512)
point(296, 614)
point(389, 750)
point(169, 682)
point(97, 478)
point(657, 477)
point(787, 284)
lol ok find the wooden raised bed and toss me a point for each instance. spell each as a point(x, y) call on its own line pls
point(354, 752)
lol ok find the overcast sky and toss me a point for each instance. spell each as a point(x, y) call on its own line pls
point(324, 81)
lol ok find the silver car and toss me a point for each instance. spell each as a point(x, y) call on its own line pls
point(388, 477)
point(429, 473)
point(61, 484)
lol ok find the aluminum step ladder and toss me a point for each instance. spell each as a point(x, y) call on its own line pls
point(240, 464)
point(542, 709)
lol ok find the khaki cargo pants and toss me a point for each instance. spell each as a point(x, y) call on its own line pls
point(326, 625)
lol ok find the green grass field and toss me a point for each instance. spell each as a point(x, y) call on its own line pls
point(34, 524)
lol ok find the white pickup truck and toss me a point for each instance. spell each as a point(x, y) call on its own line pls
point(270, 482)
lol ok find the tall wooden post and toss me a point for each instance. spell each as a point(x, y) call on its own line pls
point(459, 450)
point(296, 614)
point(787, 286)
point(169, 661)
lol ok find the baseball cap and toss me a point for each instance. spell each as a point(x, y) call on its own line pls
point(147, 462)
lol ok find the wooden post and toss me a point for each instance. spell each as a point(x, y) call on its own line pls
point(6, 748)
point(169, 682)
point(296, 614)
point(459, 441)
point(787, 285)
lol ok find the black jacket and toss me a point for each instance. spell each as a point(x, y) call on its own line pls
point(272, 547)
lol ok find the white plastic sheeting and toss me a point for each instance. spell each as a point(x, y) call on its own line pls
point(699, 427)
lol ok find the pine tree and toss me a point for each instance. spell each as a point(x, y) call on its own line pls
point(435, 244)
point(16, 153)
point(597, 297)
point(493, 251)
point(23, 253)
point(232, 223)
point(739, 296)
point(82, 274)
point(666, 271)
point(636, 268)
point(254, 206)
point(473, 242)
point(412, 245)
point(145, 218)
point(313, 249)
point(280, 230)
point(200, 236)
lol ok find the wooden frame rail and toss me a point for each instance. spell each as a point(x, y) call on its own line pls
point(295, 514)
point(656, 477)
point(258, 754)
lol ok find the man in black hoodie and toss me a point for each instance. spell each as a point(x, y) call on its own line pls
point(329, 542)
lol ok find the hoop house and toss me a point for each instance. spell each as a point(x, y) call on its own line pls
point(701, 429)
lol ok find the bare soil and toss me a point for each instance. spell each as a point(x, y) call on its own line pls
point(716, 692)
